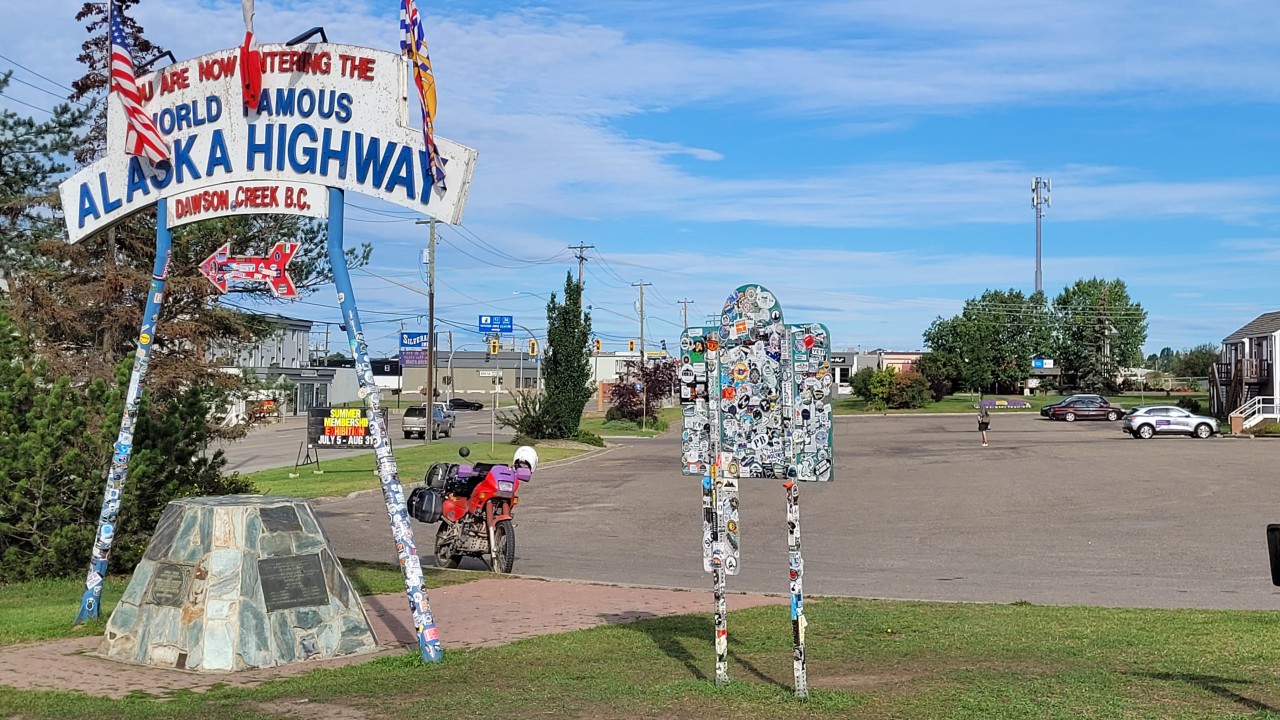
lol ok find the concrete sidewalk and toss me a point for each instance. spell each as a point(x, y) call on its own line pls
point(482, 613)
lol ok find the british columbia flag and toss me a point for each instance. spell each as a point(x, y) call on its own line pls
point(141, 136)
point(413, 45)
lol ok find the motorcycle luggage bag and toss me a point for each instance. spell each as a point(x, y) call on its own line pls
point(438, 475)
point(426, 505)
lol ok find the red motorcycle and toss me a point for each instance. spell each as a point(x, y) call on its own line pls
point(473, 505)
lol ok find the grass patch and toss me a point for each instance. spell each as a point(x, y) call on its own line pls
point(371, 578)
point(599, 426)
point(874, 660)
point(45, 609)
point(853, 405)
point(344, 474)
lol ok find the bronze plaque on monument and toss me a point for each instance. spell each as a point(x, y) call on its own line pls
point(290, 582)
point(169, 585)
point(280, 519)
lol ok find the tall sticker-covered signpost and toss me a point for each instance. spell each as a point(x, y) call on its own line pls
point(305, 125)
point(767, 415)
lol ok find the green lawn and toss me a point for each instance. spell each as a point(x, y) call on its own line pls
point(872, 660)
point(45, 609)
point(964, 403)
point(670, 415)
point(344, 474)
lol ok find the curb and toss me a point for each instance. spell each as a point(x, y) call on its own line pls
point(407, 485)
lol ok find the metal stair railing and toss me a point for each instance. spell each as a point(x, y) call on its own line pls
point(1260, 408)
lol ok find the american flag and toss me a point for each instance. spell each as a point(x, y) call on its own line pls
point(413, 45)
point(141, 136)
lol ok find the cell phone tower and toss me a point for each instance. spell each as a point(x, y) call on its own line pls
point(1040, 188)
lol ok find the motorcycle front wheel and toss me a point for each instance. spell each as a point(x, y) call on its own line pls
point(444, 558)
point(504, 550)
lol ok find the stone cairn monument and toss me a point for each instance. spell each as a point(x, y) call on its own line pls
point(233, 583)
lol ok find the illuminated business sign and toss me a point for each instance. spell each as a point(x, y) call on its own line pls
point(338, 428)
point(329, 115)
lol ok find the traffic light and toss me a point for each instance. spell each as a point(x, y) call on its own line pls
point(631, 346)
point(598, 344)
point(533, 347)
point(493, 346)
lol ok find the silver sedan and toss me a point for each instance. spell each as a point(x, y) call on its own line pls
point(1146, 422)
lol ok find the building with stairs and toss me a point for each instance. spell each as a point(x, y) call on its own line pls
point(1243, 383)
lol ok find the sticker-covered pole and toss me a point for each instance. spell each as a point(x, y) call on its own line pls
point(91, 601)
point(392, 491)
point(795, 562)
point(718, 584)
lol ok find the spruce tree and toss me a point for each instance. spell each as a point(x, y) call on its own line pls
point(567, 362)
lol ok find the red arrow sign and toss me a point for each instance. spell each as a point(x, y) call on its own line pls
point(222, 267)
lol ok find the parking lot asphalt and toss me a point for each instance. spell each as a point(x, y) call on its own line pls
point(278, 444)
point(1051, 513)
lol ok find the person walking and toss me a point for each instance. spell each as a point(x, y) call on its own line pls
point(984, 421)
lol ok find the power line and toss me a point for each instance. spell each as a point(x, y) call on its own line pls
point(22, 102)
point(37, 87)
point(33, 72)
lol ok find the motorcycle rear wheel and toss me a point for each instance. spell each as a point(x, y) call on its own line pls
point(504, 550)
point(444, 558)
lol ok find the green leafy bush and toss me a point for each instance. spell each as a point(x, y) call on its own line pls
point(589, 438)
point(1190, 404)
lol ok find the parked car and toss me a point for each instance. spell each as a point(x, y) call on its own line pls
point(1146, 422)
point(1044, 411)
point(464, 404)
point(415, 422)
point(1085, 408)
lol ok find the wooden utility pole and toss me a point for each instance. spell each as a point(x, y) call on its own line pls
point(582, 258)
point(684, 310)
point(644, 397)
point(431, 326)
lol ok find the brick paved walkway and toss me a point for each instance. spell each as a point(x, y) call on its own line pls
point(464, 613)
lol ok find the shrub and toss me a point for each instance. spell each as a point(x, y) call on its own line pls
point(614, 413)
point(621, 424)
point(910, 390)
point(1190, 404)
point(519, 439)
point(860, 383)
point(589, 438)
point(57, 447)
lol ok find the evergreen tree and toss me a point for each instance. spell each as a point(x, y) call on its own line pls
point(567, 362)
point(31, 160)
point(83, 302)
point(56, 440)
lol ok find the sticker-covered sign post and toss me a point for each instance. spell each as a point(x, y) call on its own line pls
point(269, 129)
point(388, 474)
point(767, 415)
point(699, 393)
point(91, 600)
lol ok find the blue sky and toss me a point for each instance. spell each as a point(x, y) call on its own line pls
point(869, 161)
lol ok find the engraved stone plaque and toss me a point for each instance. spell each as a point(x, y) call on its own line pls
point(282, 518)
point(169, 585)
point(290, 582)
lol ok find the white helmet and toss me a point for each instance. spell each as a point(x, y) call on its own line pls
point(526, 456)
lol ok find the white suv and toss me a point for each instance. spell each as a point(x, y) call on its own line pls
point(1146, 422)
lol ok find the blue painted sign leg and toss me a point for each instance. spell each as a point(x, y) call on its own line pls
point(91, 602)
point(392, 491)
